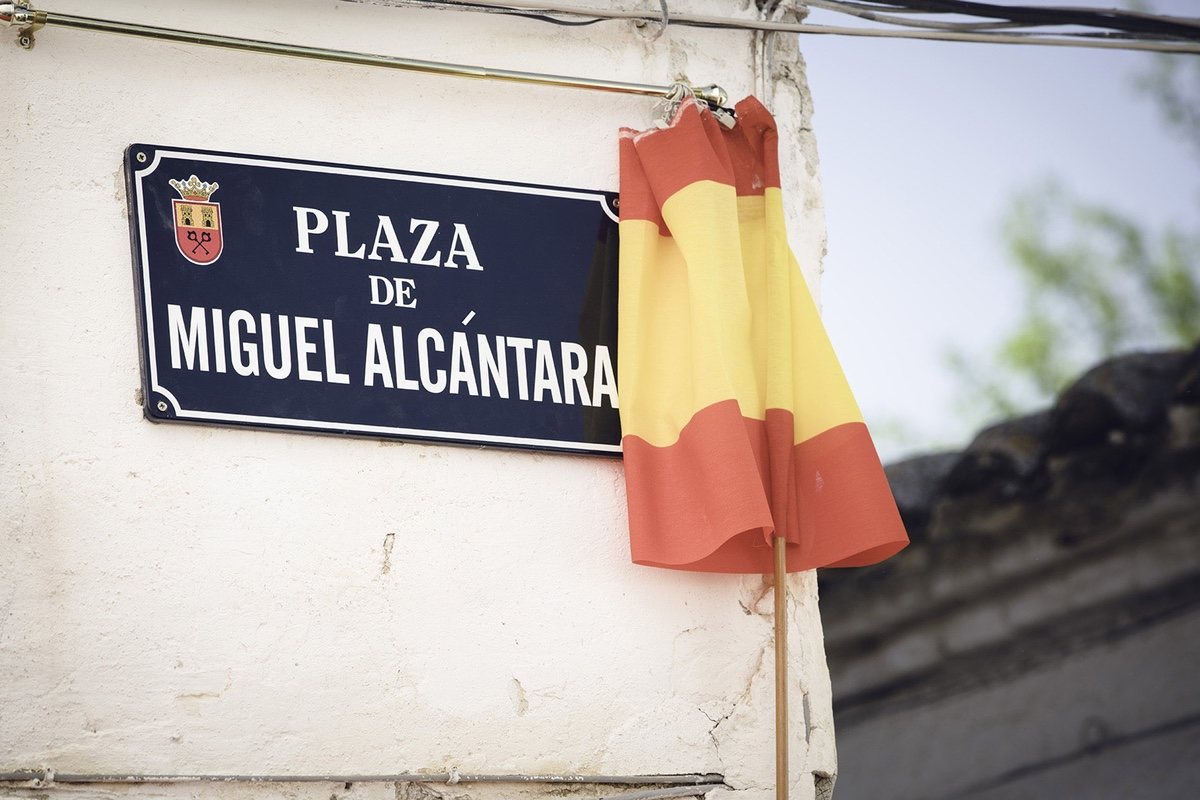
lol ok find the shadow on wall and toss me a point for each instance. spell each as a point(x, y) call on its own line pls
point(1041, 636)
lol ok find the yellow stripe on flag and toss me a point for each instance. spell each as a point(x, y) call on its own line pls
point(738, 424)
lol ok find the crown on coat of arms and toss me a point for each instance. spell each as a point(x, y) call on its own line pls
point(194, 188)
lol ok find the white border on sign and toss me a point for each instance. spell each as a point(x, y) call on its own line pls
point(323, 425)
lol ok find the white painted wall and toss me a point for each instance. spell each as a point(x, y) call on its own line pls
point(181, 599)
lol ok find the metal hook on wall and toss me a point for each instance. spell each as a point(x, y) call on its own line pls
point(663, 21)
point(25, 17)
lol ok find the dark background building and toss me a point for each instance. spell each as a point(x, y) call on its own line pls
point(1040, 638)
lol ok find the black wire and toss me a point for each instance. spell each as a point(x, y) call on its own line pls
point(516, 12)
point(1114, 19)
point(1137, 25)
point(570, 23)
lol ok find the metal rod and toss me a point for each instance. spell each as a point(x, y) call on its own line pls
point(13, 14)
point(49, 776)
point(781, 696)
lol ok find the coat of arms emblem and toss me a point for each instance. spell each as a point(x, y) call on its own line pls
point(197, 220)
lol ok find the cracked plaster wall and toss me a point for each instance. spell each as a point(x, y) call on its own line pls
point(202, 600)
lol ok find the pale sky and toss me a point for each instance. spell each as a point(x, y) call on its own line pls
point(922, 146)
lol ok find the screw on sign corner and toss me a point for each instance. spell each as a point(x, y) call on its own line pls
point(141, 157)
point(161, 405)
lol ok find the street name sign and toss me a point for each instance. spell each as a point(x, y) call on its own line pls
point(277, 293)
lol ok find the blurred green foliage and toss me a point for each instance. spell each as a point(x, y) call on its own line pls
point(1096, 282)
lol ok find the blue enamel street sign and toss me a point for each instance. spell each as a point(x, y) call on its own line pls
point(341, 299)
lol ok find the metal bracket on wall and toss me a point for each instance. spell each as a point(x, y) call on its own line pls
point(24, 16)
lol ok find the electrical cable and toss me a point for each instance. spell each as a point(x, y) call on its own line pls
point(1177, 44)
point(1062, 15)
point(1174, 27)
point(1105, 14)
point(865, 12)
point(1131, 22)
point(505, 11)
point(870, 5)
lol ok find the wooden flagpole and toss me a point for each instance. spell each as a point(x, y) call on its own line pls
point(781, 701)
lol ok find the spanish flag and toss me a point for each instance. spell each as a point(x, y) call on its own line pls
point(737, 422)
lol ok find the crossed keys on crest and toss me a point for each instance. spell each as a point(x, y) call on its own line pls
point(204, 238)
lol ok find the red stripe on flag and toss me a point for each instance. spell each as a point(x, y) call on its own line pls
point(699, 503)
point(696, 148)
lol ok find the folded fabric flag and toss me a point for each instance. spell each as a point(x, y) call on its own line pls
point(738, 425)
